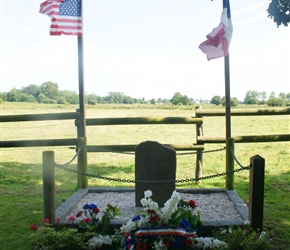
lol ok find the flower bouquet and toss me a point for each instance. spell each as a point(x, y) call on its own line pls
point(88, 233)
point(173, 226)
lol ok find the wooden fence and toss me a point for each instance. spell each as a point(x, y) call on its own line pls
point(197, 120)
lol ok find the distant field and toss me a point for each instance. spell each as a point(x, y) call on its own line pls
point(21, 173)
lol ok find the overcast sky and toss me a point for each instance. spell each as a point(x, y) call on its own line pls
point(146, 48)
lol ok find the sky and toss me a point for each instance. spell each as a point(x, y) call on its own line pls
point(146, 49)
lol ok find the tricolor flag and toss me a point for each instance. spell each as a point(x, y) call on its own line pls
point(65, 16)
point(218, 41)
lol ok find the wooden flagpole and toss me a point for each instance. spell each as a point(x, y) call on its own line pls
point(82, 157)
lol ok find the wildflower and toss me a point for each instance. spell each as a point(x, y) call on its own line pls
point(79, 214)
point(71, 218)
point(192, 204)
point(86, 220)
point(46, 220)
point(33, 227)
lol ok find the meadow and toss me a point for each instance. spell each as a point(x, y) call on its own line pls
point(21, 168)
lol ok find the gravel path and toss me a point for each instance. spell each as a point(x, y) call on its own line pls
point(214, 206)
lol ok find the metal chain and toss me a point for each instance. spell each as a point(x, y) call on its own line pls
point(154, 181)
point(63, 166)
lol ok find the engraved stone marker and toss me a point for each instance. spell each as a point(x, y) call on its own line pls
point(154, 161)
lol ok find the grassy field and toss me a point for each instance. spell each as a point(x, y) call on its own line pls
point(21, 168)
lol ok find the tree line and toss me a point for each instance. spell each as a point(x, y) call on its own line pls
point(49, 93)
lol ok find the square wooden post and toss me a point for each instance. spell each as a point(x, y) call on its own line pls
point(256, 199)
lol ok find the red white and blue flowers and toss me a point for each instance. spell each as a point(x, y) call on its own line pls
point(170, 227)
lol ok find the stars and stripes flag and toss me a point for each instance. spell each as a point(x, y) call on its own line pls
point(218, 41)
point(65, 16)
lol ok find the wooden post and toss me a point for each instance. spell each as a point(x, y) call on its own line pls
point(256, 199)
point(48, 185)
point(199, 153)
point(82, 163)
point(230, 142)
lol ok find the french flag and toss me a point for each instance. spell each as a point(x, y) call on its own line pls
point(218, 41)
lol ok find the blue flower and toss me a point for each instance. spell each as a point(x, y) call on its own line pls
point(91, 206)
point(185, 224)
point(86, 206)
point(136, 218)
point(177, 242)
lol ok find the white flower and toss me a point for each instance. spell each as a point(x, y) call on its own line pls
point(159, 245)
point(153, 205)
point(98, 241)
point(128, 227)
point(144, 202)
point(209, 243)
point(143, 222)
point(175, 195)
point(148, 193)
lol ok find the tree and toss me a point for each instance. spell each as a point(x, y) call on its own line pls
point(272, 95)
point(179, 99)
point(50, 90)
point(14, 95)
point(217, 100)
point(31, 89)
point(283, 96)
point(176, 99)
point(272, 102)
point(251, 97)
point(279, 10)
point(233, 101)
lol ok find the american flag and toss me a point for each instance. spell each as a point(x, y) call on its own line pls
point(65, 16)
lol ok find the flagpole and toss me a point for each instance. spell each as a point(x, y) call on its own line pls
point(227, 96)
point(82, 157)
point(229, 140)
point(82, 127)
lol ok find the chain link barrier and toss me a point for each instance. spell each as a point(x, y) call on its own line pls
point(64, 167)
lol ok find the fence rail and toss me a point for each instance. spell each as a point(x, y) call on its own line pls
point(38, 143)
point(39, 117)
point(131, 147)
point(246, 139)
point(243, 112)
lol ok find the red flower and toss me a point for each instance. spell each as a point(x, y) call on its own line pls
point(46, 220)
point(72, 218)
point(166, 242)
point(33, 227)
point(141, 246)
point(153, 219)
point(188, 242)
point(57, 220)
point(95, 210)
point(79, 214)
point(86, 220)
point(150, 211)
point(192, 204)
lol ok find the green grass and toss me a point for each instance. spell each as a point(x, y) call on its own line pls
point(21, 168)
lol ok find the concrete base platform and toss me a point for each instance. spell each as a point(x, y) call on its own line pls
point(220, 207)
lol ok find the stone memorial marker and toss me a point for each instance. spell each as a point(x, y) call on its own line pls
point(154, 161)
